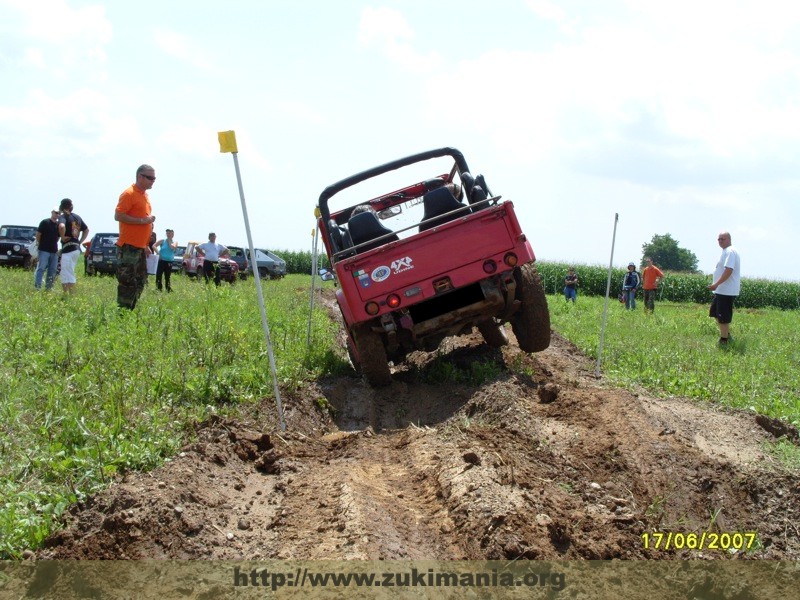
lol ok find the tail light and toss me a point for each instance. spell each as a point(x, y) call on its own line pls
point(393, 300)
point(511, 259)
point(372, 308)
point(490, 266)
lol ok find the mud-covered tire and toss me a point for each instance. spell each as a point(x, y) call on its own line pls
point(493, 334)
point(351, 354)
point(531, 323)
point(374, 364)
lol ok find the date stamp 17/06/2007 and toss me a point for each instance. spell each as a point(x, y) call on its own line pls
point(706, 540)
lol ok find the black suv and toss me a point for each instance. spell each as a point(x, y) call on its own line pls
point(239, 256)
point(101, 256)
point(14, 242)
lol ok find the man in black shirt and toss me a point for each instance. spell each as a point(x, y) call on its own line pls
point(47, 240)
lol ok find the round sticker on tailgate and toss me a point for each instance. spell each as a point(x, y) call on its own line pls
point(381, 274)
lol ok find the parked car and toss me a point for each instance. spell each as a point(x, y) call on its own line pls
point(177, 262)
point(455, 258)
point(239, 256)
point(193, 264)
point(101, 255)
point(269, 264)
point(14, 243)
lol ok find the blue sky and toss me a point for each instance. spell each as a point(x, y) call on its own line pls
point(681, 116)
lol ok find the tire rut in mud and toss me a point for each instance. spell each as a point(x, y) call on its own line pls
point(543, 462)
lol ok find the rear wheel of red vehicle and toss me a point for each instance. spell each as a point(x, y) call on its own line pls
point(493, 334)
point(374, 363)
point(531, 323)
point(351, 354)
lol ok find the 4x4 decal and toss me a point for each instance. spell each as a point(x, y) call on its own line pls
point(402, 264)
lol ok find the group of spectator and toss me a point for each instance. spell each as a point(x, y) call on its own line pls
point(136, 247)
point(725, 286)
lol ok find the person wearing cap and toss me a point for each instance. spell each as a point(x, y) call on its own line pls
point(571, 285)
point(73, 232)
point(629, 285)
point(651, 277)
point(133, 246)
point(47, 241)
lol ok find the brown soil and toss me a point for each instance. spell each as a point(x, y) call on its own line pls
point(543, 462)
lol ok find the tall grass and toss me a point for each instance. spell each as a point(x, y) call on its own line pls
point(87, 390)
point(673, 351)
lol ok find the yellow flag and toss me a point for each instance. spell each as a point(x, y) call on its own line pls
point(227, 141)
point(317, 213)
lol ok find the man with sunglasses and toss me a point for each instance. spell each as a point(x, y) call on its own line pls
point(135, 226)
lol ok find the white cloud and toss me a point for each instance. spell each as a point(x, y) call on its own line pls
point(56, 22)
point(183, 48)
point(78, 124)
point(389, 31)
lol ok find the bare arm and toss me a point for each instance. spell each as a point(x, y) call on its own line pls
point(726, 274)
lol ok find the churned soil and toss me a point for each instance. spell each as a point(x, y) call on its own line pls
point(545, 461)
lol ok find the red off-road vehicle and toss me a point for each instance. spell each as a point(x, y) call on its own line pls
point(453, 258)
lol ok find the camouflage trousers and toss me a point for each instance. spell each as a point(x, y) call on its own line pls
point(131, 275)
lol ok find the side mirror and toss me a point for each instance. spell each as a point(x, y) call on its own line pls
point(326, 275)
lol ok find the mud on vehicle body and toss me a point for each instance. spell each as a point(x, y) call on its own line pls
point(456, 259)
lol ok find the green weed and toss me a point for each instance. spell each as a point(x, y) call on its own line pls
point(88, 391)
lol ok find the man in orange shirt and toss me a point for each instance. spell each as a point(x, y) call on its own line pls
point(651, 277)
point(135, 227)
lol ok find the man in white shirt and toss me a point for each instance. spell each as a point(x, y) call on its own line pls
point(726, 286)
point(211, 252)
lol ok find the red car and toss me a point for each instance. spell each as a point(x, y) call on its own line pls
point(454, 258)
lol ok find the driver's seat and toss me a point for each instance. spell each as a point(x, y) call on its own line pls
point(364, 227)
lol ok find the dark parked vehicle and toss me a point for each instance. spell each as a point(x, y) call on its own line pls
point(239, 256)
point(101, 256)
point(14, 243)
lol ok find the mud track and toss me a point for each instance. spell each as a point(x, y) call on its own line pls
point(544, 462)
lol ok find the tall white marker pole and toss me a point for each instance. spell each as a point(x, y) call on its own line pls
point(315, 237)
point(227, 143)
point(605, 306)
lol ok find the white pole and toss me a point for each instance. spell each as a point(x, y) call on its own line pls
point(605, 306)
point(315, 237)
point(261, 306)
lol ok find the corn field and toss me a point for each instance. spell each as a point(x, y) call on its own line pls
point(676, 287)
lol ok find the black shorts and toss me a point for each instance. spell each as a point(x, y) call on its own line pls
point(722, 308)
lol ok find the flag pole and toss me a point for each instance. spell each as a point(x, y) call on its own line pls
point(227, 143)
point(605, 306)
point(315, 237)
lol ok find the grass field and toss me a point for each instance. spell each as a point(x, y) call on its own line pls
point(673, 351)
point(87, 390)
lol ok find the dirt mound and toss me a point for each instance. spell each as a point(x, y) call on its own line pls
point(544, 462)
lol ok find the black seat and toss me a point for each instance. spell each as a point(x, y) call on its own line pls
point(438, 202)
point(341, 239)
point(365, 227)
